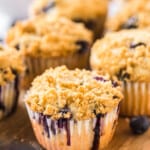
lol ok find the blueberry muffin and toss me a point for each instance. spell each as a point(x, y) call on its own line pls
point(51, 42)
point(91, 13)
point(134, 14)
point(67, 105)
point(11, 66)
point(126, 55)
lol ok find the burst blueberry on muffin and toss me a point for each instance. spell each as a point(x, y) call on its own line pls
point(11, 66)
point(135, 14)
point(67, 105)
point(126, 55)
point(91, 13)
point(51, 42)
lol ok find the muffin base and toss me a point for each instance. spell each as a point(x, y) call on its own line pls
point(8, 98)
point(74, 135)
point(36, 66)
point(137, 99)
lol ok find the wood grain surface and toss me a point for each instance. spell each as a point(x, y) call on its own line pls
point(16, 134)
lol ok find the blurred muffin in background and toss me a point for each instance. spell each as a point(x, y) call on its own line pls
point(51, 42)
point(133, 14)
point(90, 12)
point(11, 66)
point(126, 55)
point(73, 109)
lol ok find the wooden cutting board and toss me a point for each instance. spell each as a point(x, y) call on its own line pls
point(16, 134)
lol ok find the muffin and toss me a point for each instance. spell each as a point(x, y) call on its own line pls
point(126, 55)
point(134, 14)
point(11, 66)
point(51, 42)
point(67, 105)
point(91, 13)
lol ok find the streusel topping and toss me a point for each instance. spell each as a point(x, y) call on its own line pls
point(48, 37)
point(85, 9)
point(135, 14)
point(81, 94)
point(10, 64)
point(125, 54)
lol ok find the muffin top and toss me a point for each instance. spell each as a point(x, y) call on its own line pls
point(74, 9)
point(49, 37)
point(79, 94)
point(125, 54)
point(10, 64)
point(135, 14)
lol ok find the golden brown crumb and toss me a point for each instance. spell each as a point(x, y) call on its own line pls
point(48, 37)
point(80, 94)
point(125, 54)
point(10, 63)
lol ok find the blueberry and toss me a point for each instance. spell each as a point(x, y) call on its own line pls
point(64, 110)
point(131, 23)
point(115, 97)
point(14, 71)
point(126, 76)
point(139, 124)
point(90, 24)
point(122, 74)
point(43, 122)
point(115, 84)
point(100, 79)
point(132, 45)
point(84, 46)
point(48, 7)
point(17, 47)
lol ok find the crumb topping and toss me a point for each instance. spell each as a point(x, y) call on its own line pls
point(135, 14)
point(125, 54)
point(84, 9)
point(81, 94)
point(10, 64)
point(46, 37)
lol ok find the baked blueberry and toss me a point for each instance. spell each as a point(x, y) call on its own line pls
point(17, 47)
point(131, 23)
point(90, 24)
point(64, 110)
point(114, 97)
point(100, 79)
point(115, 84)
point(84, 46)
point(122, 74)
point(139, 124)
point(133, 45)
point(48, 7)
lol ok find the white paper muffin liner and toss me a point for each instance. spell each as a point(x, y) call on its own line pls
point(36, 66)
point(8, 98)
point(136, 100)
point(80, 133)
